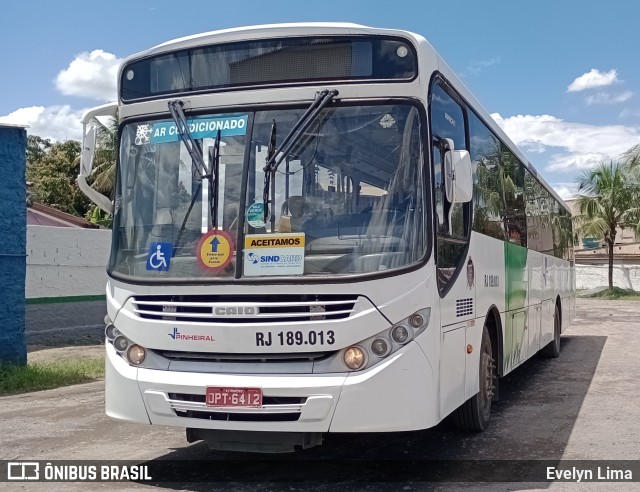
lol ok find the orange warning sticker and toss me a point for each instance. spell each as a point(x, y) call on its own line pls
point(215, 250)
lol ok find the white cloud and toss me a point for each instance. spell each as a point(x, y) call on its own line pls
point(576, 160)
point(480, 66)
point(93, 75)
point(577, 145)
point(54, 122)
point(593, 78)
point(628, 113)
point(565, 191)
point(608, 98)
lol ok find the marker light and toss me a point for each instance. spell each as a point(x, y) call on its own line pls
point(379, 347)
point(354, 358)
point(136, 354)
point(121, 343)
point(400, 334)
point(111, 332)
point(416, 320)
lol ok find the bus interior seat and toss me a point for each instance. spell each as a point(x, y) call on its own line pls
point(292, 213)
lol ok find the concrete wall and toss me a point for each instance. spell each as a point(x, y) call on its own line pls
point(65, 261)
point(13, 220)
point(591, 276)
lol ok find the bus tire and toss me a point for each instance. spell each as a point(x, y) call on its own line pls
point(474, 414)
point(552, 349)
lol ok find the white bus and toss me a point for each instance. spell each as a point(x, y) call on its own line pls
point(317, 228)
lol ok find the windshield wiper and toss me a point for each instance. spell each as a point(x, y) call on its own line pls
point(275, 157)
point(195, 152)
point(214, 159)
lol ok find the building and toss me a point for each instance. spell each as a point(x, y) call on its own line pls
point(42, 215)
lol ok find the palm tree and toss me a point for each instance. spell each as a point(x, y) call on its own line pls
point(608, 199)
point(103, 175)
point(632, 156)
point(104, 167)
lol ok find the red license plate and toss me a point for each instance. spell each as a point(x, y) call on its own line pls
point(234, 397)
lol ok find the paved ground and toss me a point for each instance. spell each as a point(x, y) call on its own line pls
point(582, 406)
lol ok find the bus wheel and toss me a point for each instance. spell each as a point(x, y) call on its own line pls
point(474, 414)
point(552, 349)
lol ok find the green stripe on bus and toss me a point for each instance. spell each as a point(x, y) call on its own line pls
point(516, 267)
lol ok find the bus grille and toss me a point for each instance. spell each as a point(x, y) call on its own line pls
point(245, 309)
point(244, 358)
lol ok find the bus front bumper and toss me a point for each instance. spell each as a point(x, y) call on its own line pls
point(398, 394)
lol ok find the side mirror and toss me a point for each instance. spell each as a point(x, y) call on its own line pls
point(88, 151)
point(90, 123)
point(458, 179)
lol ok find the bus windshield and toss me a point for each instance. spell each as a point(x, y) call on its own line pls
point(348, 198)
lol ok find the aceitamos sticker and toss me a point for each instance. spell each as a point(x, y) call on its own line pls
point(273, 254)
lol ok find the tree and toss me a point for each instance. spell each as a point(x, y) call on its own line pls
point(104, 162)
point(632, 156)
point(52, 167)
point(103, 174)
point(608, 198)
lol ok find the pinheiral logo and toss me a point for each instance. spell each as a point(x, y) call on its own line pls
point(177, 335)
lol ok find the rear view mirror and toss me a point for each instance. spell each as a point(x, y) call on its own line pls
point(458, 180)
point(90, 134)
point(88, 151)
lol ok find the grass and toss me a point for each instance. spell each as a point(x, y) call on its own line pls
point(616, 294)
point(52, 374)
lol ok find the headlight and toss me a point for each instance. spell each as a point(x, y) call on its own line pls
point(379, 347)
point(400, 334)
point(354, 358)
point(111, 332)
point(370, 351)
point(136, 354)
point(121, 343)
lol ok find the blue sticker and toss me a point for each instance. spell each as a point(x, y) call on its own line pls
point(159, 257)
point(229, 126)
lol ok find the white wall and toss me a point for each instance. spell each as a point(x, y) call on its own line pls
point(65, 261)
point(591, 276)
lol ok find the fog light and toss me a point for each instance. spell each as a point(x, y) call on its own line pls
point(136, 354)
point(400, 334)
point(379, 346)
point(111, 332)
point(121, 343)
point(107, 320)
point(416, 320)
point(354, 358)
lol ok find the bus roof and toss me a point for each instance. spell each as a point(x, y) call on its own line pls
point(342, 28)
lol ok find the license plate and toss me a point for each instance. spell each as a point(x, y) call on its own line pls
point(234, 397)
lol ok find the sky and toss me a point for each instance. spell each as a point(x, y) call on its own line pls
point(562, 78)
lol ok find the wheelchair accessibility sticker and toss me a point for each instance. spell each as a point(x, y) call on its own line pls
point(159, 257)
point(215, 250)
